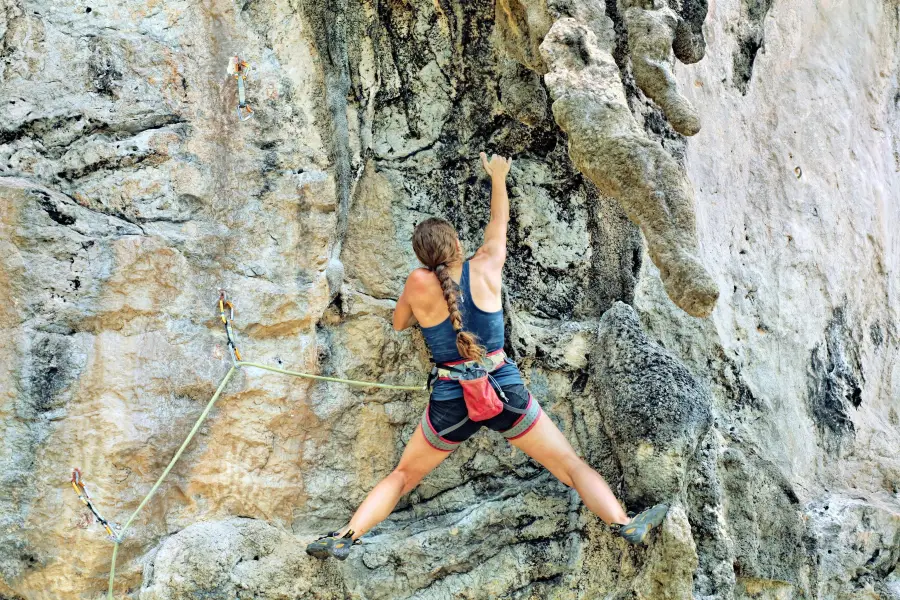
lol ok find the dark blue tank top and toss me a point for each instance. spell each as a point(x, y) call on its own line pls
point(487, 327)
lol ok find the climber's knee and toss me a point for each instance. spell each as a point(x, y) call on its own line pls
point(570, 464)
point(407, 478)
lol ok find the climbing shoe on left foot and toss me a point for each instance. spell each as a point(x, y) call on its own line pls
point(637, 530)
point(332, 544)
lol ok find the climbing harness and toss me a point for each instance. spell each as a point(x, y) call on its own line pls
point(240, 70)
point(454, 370)
point(237, 363)
point(78, 485)
point(484, 397)
point(224, 303)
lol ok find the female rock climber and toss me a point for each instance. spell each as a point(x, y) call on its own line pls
point(457, 304)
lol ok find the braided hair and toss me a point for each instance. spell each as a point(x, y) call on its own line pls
point(434, 242)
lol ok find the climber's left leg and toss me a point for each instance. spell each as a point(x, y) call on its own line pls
point(546, 444)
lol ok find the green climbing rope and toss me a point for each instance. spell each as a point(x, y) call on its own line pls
point(227, 318)
point(354, 382)
point(194, 429)
point(205, 413)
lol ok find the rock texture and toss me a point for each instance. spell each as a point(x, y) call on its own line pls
point(653, 410)
point(129, 194)
point(608, 145)
point(651, 35)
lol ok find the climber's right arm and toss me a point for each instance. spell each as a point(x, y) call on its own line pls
point(403, 315)
point(494, 247)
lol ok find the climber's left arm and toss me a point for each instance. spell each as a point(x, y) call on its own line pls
point(403, 314)
point(493, 251)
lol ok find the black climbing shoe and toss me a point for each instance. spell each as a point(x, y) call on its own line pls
point(639, 527)
point(332, 545)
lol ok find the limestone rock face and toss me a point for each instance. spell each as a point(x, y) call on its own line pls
point(130, 195)
point(653, 410)
point(608, 145)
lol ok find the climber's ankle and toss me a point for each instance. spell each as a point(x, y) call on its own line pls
point(343, 531)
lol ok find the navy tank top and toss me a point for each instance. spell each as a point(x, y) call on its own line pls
point(487, 327)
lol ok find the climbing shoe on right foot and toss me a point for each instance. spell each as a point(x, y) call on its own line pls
point(332, 545)
point(637, 530)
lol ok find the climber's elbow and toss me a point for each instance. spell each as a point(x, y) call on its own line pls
point(399, 325)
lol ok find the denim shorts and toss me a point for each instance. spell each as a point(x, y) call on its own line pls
point(441, 415)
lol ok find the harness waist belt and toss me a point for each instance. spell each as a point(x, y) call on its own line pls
point(455, 370)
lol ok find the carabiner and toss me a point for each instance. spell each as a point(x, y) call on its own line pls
point(78, 485)
point(226, 321)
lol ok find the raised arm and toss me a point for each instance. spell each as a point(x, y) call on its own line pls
point(494, 247)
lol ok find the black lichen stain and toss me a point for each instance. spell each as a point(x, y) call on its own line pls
point(105, 75)
point(834, 382)
point(455, 187)
point(750, 42)
point(49, 207)
point(50, 372)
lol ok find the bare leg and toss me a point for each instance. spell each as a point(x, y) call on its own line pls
point(546, 444)
point(418, 460)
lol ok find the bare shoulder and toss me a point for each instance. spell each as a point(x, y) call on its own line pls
point(419, 279)
point(485, 263)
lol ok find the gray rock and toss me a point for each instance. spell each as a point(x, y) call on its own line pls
point(235, 558)
point(651, 34)
point(652, 408)
point(607, 145)
point(129, 194)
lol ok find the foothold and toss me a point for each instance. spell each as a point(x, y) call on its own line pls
point(799, 172)
point(651, 406)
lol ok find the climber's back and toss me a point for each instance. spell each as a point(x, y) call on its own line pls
point(479, 307)
point(457, 302)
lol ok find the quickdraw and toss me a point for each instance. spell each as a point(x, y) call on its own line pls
point(240, 70)
point(78, 486)
point(224, 304)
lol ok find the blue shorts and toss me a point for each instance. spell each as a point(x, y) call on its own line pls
point(445, 414)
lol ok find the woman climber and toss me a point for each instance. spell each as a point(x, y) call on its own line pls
point(457, 304)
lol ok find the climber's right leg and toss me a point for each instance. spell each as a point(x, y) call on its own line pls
point(419, 459)
point(546, 444)
point(444, 426)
